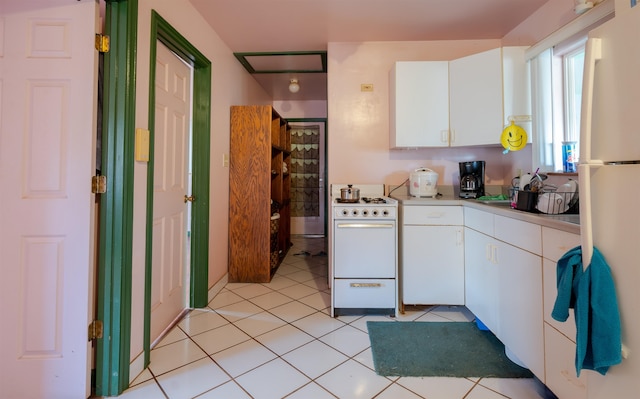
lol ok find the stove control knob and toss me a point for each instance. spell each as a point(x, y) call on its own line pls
point(365, 212)
point(355, 212)
point(385, 213)
point(345, 212)
point(375, 212)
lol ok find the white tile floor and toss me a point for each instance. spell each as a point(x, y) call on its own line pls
point(277, 340)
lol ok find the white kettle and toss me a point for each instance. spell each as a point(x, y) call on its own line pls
point(423, 182)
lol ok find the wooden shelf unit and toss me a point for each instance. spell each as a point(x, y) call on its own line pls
point(260, 147)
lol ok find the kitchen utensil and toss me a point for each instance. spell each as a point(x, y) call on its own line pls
point(423, 182)
point(350, 193)
point(552, 203)
point(571, 188)
point(524, 181)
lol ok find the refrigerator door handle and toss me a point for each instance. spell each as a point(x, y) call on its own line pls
point(593, 53)
point(586, 223)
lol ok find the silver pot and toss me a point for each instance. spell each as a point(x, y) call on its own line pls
point(350, 193)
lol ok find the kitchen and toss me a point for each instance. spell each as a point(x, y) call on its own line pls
point(359, 121)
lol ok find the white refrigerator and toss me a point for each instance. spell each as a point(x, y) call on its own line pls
point(609, 176)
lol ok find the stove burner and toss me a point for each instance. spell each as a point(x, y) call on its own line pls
point(374, 200)
point(347, 201)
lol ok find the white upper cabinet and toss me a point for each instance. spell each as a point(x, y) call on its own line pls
point(476, 99)
point(483, 91)
point(419, 104)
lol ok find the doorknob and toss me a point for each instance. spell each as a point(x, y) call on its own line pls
point(190, 198)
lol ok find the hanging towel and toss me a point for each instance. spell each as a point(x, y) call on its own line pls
point(591, 294)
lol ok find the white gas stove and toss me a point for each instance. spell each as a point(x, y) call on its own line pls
point(366, 208)
point(364, 252)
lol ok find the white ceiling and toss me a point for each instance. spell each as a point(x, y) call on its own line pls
point(308, 25)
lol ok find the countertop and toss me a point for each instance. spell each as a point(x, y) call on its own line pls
point(564, 222)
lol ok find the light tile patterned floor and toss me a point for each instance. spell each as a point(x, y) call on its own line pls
point(277, 340)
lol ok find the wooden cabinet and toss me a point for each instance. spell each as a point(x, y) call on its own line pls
point(260, 157)
point(432, 255)
point(419, 104)
point(463, 102)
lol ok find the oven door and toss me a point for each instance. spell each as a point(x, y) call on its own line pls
point(364, 249)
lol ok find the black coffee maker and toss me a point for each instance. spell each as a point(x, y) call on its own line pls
point(471, 179)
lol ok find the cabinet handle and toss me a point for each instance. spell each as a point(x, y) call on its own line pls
point(444, 136)
point(459, 238)
point(365, 285)
point(487, 252)
point(494, 254)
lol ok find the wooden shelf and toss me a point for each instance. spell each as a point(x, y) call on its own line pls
point(260, 145)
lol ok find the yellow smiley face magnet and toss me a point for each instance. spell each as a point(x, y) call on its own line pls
point(513, 138)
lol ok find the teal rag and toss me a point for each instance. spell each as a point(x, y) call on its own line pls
point(591, 294)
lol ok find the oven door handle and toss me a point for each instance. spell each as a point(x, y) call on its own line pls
point(365, 225)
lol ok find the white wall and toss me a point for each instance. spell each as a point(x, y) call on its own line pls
point(231, 85)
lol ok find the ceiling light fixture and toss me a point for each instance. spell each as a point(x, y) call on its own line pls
point(294, 87)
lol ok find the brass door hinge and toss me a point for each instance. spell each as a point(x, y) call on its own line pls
point(99, 184)
point(95, 330)
point(102, 43)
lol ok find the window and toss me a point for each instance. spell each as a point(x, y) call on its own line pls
point(556, 75)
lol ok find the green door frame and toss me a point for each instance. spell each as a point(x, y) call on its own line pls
point(201, 126)
point(113, 293)
point(326, 179)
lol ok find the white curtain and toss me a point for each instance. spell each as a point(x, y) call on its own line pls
point(542, 107)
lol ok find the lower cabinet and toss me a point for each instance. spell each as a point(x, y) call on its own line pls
point(503, 285)
point(509, 284)
point(559, 337)
point(560, 369)
point(520, 305)
point(432, 255)
point(481, 278)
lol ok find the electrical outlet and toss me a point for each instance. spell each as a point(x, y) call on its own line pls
point(366, 87)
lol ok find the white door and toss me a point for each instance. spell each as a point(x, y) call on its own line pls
point(48, 78)
point(309, 216)
point(170, 271)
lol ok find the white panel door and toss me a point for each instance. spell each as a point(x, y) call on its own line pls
point(48, 71)
point(170, 185)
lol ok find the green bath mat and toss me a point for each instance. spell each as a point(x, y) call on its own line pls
point(439, 349)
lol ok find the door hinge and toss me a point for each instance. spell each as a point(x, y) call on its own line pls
point(102, 43)
point(99, 184)
point(95, 330)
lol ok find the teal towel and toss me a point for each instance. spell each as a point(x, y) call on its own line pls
point(592, 295)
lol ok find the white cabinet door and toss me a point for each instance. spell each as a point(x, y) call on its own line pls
point(433, 265)
point(521, 326)
point(481, 278)
point(516, 86)
point(560, 369)
point(475, 96)
point(419, 104)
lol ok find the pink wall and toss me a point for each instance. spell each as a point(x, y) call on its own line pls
point(231, 85)
point(358, 121)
